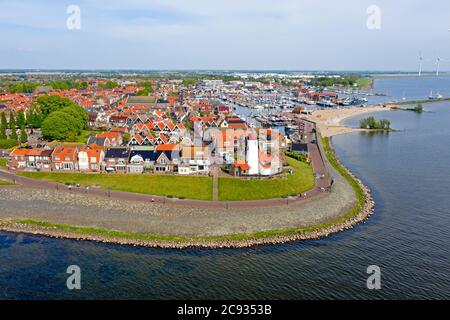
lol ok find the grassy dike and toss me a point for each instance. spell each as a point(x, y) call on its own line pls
point(359, 213)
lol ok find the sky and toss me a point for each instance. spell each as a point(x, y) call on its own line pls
point(225, 34)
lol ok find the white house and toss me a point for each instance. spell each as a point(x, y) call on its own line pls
point(90, 159)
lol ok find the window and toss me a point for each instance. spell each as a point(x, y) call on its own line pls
point(57, 158)
point(67, 158)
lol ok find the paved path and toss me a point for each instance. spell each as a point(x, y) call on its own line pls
point(215, 191)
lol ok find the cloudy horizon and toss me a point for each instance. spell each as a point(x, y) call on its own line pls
point(225, 35)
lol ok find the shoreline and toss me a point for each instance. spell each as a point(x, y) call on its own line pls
point(365, 208)
point(329, 121)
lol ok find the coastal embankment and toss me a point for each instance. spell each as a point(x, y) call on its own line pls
point(77, 216)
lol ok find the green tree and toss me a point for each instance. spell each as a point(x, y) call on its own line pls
point(76, 115)
point(12, 121)
point(7, 143)
point(20, 119)
point(4, 122)
point(419, 108)
point(58, 125)
point(51, 103)
point(13, 135)
point(22, 87)
point(23, 135)
point(72, 137)
point(34, 118)
point(83, 85)
point(126, 137)
point(108, 85)
point(3, 135)
point(148, 88)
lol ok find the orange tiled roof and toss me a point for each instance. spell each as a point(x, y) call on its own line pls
point(167, 147)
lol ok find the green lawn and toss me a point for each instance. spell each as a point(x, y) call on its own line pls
point(236, 189)
point(199, 188)
point(3, 162)
point(5, 183)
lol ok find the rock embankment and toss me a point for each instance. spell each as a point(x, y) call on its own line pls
point(205, 241)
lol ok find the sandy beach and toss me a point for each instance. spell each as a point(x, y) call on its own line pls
point(329, 121)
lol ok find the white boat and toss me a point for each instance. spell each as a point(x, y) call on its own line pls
point(431, 95)
point(325, 103)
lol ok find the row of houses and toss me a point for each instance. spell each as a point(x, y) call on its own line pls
point(165, 158)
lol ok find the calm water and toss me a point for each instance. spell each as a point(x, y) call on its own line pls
point(408, 237)
point(416, 88)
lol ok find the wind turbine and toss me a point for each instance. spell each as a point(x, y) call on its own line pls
point(420, 63)
point(438, 62)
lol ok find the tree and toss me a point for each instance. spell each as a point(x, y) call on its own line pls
point(20, 119)
point(108, 85)
point(7, 143)
point(83, 85)
point(51, 103)
point(23, 135)
point(13, 135)
point(34, 118)
point(58, 125)
point(148, 88)
point(3, 135)
point(76, 115)
point(419, 108)
point(126, 137)
point(371, 123)
point(22, 87)
point(72, 137)
point(12, 121)
point(4, 122)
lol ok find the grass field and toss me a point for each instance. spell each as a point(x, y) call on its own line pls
point(3, 162)
point(236, 189)
point(332, 159)
point(5, 183)
point(199, 188)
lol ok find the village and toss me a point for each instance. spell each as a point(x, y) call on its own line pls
point(157, 126)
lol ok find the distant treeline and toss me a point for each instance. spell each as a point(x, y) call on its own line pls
point(29, 87)
point(345, 81)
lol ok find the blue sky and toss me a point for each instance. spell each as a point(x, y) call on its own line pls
point(224, 34)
